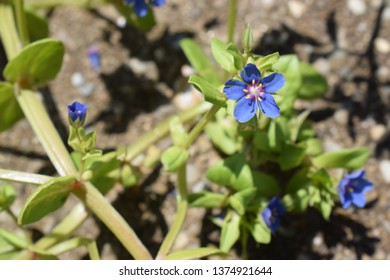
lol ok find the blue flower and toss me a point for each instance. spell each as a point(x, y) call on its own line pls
point(254, 92)
point(141, 6)
point(77, 113)
point(94, 58)
point(272, 213)
point(352, 187)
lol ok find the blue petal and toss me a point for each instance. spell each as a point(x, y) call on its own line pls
point(273, 82)
point(245, 110)
point(250, 73)
point(266, 214)
point(157, 3)
point(234, 89)
point(356, 174)
point(358, 199)
point(140, 8)
point(346, 203)
point(268, 106)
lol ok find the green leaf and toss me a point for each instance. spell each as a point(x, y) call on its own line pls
point(325, 208)
point(288, 65)
point(10, 111)
point(46, 199)
point(191, 254)
point(130, 175)
point(200, 61)
point(206, 199)
point(313, 147)
point(36, 64)
point(210, 92)
point(314, 85)
point(265, 184)
point(351, 159)
point(265, 63)
point(231, 172)
point(37, 25)
point(226, 56)
point(247, 39)
point(13, 239)
point(275, 137)
point(173, 158)
point(230, 232)
point(260, 232)
point(221, 138)
point(241, 199)
point(296, 125)
point(7, 195)
point(291, 156)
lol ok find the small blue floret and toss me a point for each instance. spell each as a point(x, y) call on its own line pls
point(352, 187)
point(77, 113)
point(141, 6)
point(273, 212)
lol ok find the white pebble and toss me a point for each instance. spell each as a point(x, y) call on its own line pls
point(86, 90)
point(297, 9)
point(384, 167)
point(121, 22)
point(382, 45)
point(357, 7)
point(77, 79)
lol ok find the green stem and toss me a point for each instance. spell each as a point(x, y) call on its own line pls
point(182, 206)
point(162, 130)
point(244, 243)
point(200, 125)
point(8, 31)
point(23, 177)
point(94, 200)
point(21, 20)
point(44, 128)
point(232, 19)
point(64, 229)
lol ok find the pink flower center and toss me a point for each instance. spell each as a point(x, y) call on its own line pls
point(254, 91)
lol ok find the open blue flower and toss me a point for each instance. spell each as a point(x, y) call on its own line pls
point(352, 187)
point(254, 92)
point(141, 6)
point(77, 113)
point(273, 212)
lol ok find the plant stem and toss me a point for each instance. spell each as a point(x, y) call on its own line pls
point(200, 125)
point(23, 177)
point(94, 200)
point(65, 228)
point(162, 130)
point(232, 19)
point(44, 128)
point(21, 20)
point(8, 32)
point(182, 206)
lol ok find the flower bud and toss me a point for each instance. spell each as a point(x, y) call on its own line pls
point(77, 113)
point(247, 39)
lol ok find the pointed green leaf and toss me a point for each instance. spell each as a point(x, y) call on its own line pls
point(36, 64)
point(266, 185)
point(260, 232)
point(200, 61)
point(206, 199)
point(37, 25)
point(241, 199)
point(10, 111)
point(210, 92)
point(173, 158)
point(46, 199)
point(351, 159)
point(230, 232)
point(192, 254)
point(225, 57)
point(291, 156)
point(265, 63)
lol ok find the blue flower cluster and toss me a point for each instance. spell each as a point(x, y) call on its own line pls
point(253, 93)
point(141, 6)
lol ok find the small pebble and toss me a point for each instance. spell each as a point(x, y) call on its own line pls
point(297, 8)
point(331, 146)
point(384, 168)
point(121, 22)
point(357, 7)
point(341, 116)
point(383, 74)
point(377, 131)
point(77, 79)
point(86, 89)
point(382, 45)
